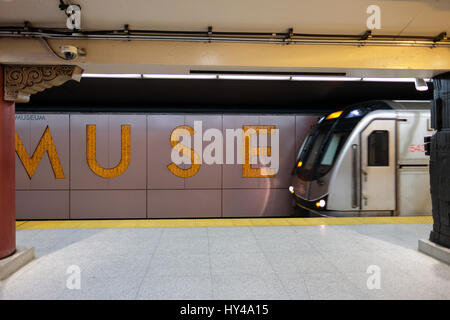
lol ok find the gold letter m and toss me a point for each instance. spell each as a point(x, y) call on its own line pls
point(46, 144)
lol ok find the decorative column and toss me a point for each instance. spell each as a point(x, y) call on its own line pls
point(440, 161)
point(7, 176)
point(17, 83)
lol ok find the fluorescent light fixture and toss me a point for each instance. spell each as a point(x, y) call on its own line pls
point(420, 84)
point(389, 79)
point(251, 77)
point(318, 78)
point(248, 77)
point(421, 101)
point(179, 76)
point(112, 75)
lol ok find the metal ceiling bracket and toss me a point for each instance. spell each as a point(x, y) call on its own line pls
point(289, 35)
point(441, 36)
point(210, 33)
point(366, 35)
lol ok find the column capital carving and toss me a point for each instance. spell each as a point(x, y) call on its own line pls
point(21, 81)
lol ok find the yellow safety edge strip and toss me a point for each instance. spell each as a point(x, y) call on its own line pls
point(186, 223)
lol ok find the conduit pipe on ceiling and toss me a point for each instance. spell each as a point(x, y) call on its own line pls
point(243, 37)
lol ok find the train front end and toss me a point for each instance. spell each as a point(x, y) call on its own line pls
point(324, 155)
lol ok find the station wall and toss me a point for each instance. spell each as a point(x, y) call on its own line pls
point(67, 187)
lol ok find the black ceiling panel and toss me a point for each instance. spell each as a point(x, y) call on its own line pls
point(168, 95)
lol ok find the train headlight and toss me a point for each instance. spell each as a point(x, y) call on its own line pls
point(321, 204)
point(299, 164)
point(291, 189)
point(354, 113)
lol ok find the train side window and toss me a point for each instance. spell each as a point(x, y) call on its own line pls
point(378, 148)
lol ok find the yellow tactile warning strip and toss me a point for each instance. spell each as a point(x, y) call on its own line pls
point(186, 223)
point(19, 223)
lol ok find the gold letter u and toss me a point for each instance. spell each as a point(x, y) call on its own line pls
point(91, 152)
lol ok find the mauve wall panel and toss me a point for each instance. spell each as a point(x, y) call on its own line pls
point(30, 132)
point(210, 175)
point(135, 177)
point(82, 175)
point(256, 203)
point(44, 178)
point(99, 204)
point(42, 204)
point(286, 127)
point(108, 146)
point(158, 152)
point(184, 203)
point(232, 173)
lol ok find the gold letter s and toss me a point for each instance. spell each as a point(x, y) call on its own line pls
point(46, 144)
point(91, 152)
point(175, 143)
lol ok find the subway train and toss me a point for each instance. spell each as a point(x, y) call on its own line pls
point(367, 159)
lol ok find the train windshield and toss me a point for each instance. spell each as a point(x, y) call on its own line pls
point(319, 152)
point(335, 143)
point(312, 156)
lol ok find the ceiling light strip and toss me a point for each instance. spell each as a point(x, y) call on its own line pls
point(112, 75)
point(179, 76)
point(244, 77)
point(319, 78)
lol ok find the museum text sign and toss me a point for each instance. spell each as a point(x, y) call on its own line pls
point(104, 166)
point(182, 154)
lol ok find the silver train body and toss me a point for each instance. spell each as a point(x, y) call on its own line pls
point(367, 159)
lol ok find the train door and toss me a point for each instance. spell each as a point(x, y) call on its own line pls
point(378, 185)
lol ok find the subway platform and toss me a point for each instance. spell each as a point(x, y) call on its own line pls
point(292, 258)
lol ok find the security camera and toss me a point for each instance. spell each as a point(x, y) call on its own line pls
point(69, 52)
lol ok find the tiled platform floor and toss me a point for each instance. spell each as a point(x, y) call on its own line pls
point(276, 262)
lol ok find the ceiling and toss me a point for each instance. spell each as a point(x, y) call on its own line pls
point(398, 17)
